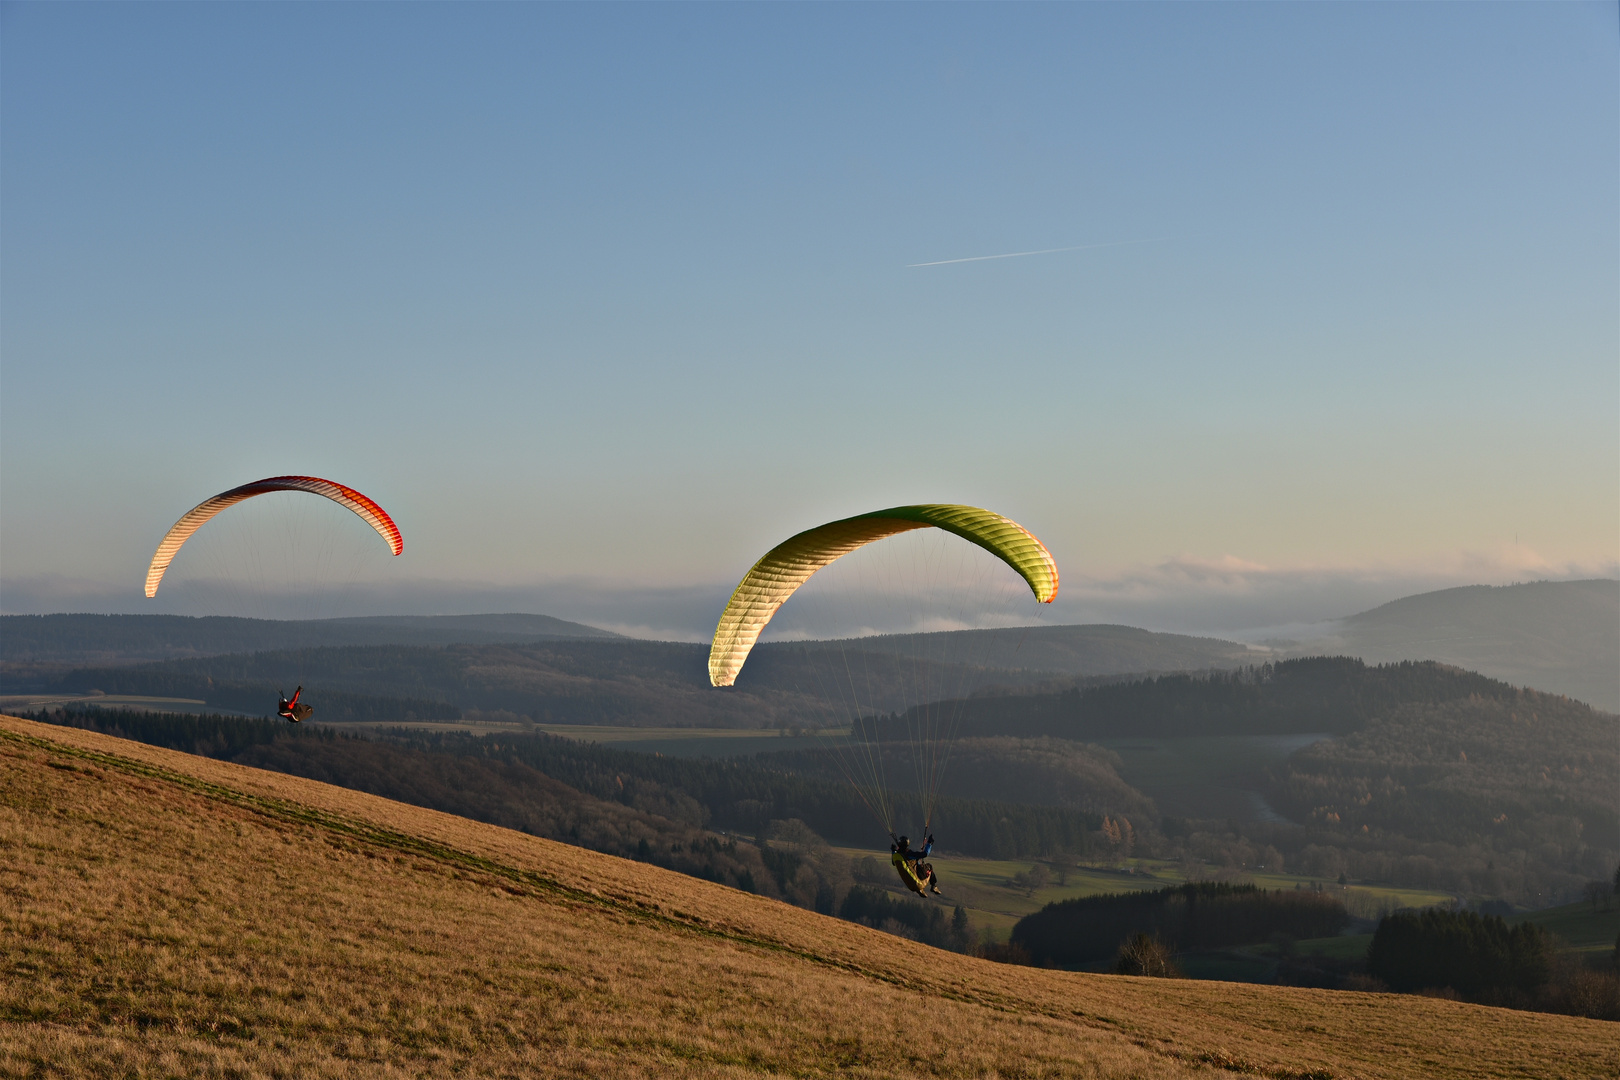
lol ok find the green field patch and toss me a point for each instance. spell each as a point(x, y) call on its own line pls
point(1363, 901)
point(1581, 927)
point(1345, 947)
point(1227, 966)
point(986, 889)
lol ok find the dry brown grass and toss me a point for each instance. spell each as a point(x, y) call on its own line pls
point(171, 915)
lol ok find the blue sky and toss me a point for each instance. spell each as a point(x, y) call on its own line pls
point(601, 301)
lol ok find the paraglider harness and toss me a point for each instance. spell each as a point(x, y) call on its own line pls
point(292, 711)
point(917, 874)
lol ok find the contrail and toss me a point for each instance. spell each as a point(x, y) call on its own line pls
point(1043, 251)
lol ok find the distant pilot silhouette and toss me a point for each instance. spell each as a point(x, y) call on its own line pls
point(292, 711)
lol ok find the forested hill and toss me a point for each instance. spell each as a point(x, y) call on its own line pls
point(105, 639)
point(1333, 695)
point(1527, 771)
point(1196, 915)
point(1086, 649)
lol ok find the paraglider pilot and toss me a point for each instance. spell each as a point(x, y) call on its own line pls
point(292, 711)
point(914, 871)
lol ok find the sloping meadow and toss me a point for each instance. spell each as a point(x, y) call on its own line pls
point(172, 914)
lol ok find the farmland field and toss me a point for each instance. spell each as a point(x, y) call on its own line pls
point(984, 887)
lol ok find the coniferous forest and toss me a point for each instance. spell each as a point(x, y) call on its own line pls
point(1478, 956)
point(1198, 915)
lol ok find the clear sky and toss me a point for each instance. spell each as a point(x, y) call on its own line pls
point(602, 300)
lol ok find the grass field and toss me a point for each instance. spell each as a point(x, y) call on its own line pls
point(1363, 901)
point(993, 903)
point(1343, 947)
point(1581, 928)
point(982, 886)
point(173, 915)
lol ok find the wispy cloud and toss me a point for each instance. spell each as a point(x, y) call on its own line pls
point(1042, 251)
point(1242, 598)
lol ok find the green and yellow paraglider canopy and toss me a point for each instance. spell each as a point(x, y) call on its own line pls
point(789, 565)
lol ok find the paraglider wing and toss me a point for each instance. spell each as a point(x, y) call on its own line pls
point(788, 565)
point(374, 515)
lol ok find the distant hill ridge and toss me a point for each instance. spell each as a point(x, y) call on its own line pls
point(1559, 636)
point(613, 680)
point(1335, 695)
point(134, 638)
point(1089, 649)
point(1079, 649)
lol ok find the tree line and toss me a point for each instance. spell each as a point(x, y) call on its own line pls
point(1089, 931)
point(1480, 957)
point(1331, 695)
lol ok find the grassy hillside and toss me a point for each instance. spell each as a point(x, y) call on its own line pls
point(1559, 636)
point(171, 914)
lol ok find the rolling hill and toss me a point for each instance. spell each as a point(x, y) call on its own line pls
point(1082, 650)
point(172, 914)
point(585, 680)
point(106, 639)
point(1562, 637)
point(1559, 637)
